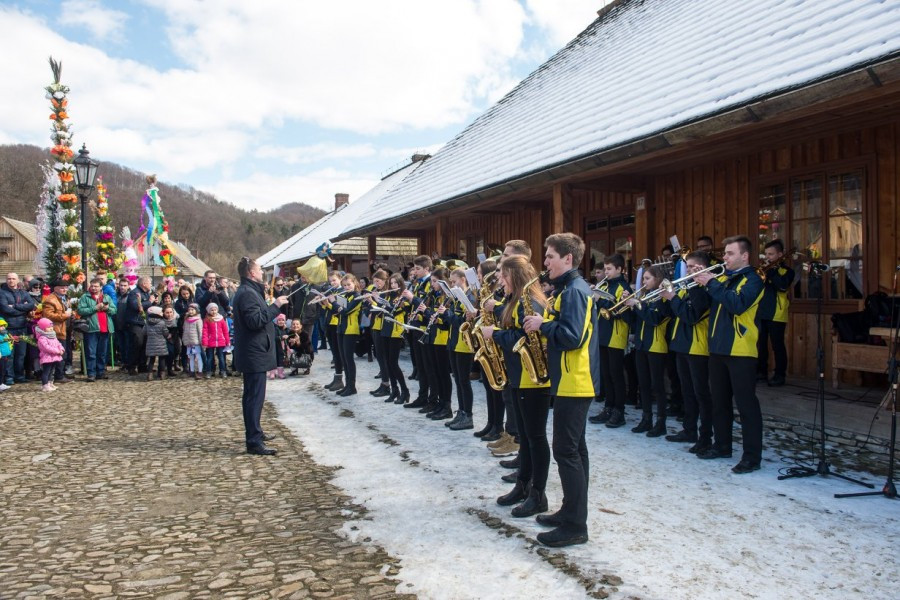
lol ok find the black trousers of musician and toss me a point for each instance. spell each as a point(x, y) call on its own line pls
point(332, 331)
point(462, 366)
point(735, 377)
point(347, 344)
point(771, 332)
point(693, 370)
point(533, 406)
point(651, 367)
point(495, 407)
point(381, 354)
point(512, 421)
point(418, 350)
point(438, 365)
point(612, 367)
point(395, 373)
point(674, 381)
point(252, 400)
point(631, 374)
point(571, 455)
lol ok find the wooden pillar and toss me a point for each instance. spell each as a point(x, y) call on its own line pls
point(439, 236)
point(372, 242)
point(643, 210)
point(557, 222)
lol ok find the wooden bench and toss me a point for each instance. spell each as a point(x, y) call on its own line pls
point(859, 357)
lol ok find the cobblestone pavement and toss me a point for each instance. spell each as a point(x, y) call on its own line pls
point(130, 489)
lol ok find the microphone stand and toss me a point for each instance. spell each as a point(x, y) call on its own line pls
point(888, 490)
point(823, 468)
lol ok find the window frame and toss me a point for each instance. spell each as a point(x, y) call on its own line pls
point(867, 166)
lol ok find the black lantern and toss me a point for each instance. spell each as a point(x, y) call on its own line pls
point(85, 173)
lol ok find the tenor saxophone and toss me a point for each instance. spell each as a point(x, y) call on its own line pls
point(489, 355)
point(531, 348)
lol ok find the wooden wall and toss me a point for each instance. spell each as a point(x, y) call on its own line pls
point(19, 248)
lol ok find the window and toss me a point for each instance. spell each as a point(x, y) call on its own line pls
point(819, 218)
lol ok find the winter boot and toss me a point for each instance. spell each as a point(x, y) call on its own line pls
point(516, 495)
point(350, 390)
point(616, 419)
point(454, 420)
point(658, 430)
point(464, 423)
point(536, 503)
point(403, 399)
point(336, 383)
point(383, 390)
point(645, 425)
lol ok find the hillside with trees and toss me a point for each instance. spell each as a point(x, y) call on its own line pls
point(216, 231)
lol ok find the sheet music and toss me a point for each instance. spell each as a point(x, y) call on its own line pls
point(448, 293)
point(472, 278)
point(340, 301)
point(463, 299)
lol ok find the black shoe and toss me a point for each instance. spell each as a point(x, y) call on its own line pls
point(440, 415)
point(103, 376)
point(492, 436)
point(776, 382)
point(268, 437)
point(487, 429)
point(658, 430)
point(512, 463)
point(561, 537)
point(700, 446)
point(393, 397)
point(417, 403)
point(682, 436)
point(644, 426)
point(132, 371)
point(713, 452)
point(516, 495)
point(261, 450)
point(350, 390)
point(414, 376)
point(403, 399)
point(551, 520)
point(336, 383)
point(383, 390)
point(459, 415)
point(510, 477)
point(429, 407)
point(616, 419)
point(377, 376)
point(536, 503)
point(602, 416)
point(745, 466)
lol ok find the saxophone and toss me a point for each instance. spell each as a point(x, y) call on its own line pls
point(489, 355)
point(531, 348)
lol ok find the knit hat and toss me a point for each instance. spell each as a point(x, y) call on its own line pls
point(211, 306)
point(44, 323)
point(195, 306)
point(3, 322)
point(280, 317)
point(155, 310)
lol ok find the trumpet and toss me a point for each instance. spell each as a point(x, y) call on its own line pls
point(603, 294)
point(683, 283)
point(620, 307)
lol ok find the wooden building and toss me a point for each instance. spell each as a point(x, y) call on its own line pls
point(688, 118)
point(18, 247)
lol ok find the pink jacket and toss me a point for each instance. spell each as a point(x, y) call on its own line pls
point(215, 333)
point(50, 348)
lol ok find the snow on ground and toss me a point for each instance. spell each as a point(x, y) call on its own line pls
point(669, 525)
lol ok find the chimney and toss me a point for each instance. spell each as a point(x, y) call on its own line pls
point(341, 200)
point(419, 157)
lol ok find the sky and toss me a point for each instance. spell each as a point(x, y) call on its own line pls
point(267, 102)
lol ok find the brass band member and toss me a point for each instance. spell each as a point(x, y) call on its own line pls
point(379, 283)
point(460, 355)
point(688, 340)
point(651, 349)
point(773, 314)
point(436, 349)
point(705, 244)
point(331, 330)
point(416, 295)
point(392, 338)
point(532, 401)
point(612, 338)
point(733, 335)
point(348, 331)
point(496, 409)
point(568, 326)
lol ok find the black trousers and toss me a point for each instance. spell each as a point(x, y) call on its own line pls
point(381, 355)
point(651, 368)
point(252, 404)
point(571, 455)
point(393, 364)
point(347, 344)
point(437, 361)
point(532, 408)
point(735, 377)
point(332, 332)
point(771, 332)
point(674, 380)
point(494, 400)
point(462, 366)
point(509, 403)
point(612, 367)
point(422, 370)
point(693, 371)
point(631, 373)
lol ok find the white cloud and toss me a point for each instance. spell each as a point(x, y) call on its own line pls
point(563, 19)
point(263, 191)
point(315, 153)
point(102, 23)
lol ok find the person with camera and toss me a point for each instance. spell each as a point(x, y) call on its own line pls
point(211, 291)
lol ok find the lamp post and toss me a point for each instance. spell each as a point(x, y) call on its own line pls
point(85, 173)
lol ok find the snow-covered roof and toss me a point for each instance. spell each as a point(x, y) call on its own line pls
point(642, 68)
point(334, 224)
point(26, 230)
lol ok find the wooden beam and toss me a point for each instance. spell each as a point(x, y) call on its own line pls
point(371, 249)
point(439, 237)
point(557, 224)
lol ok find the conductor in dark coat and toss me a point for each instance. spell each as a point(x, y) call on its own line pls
point(254, 347)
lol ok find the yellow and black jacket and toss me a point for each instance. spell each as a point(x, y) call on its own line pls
point(650, 324)
point(733, 318)
point(613, 333)
point(690, 322)
point(573, 352)
point(775, 302)
point(376, 317)
point(439, 333)
point(506, 338)
point(349, 323)
point(422, 292)
point(400, 308)
point(456, 316)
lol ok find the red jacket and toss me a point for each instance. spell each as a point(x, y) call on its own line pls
point(215, 333)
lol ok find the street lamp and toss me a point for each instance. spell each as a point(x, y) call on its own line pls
point(85, 173)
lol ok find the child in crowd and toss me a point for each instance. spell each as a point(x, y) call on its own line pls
point(191, 336)
point(52, 352)
point(300, 351)
point(156, 336)
point(281, 334)
point(215, 338)
point(173, 345)
point(5, 351)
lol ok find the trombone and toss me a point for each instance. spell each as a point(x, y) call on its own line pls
point(620, 307)
point(683, 283)
point(603, 294)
